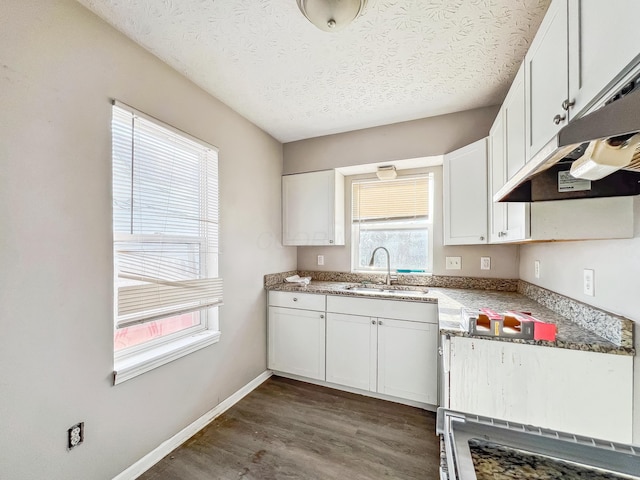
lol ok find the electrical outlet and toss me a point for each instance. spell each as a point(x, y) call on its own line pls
point(453, 263)
point(536, 268)
point(485, 263)
point(320, 259)
point(75, 435)
point(589, 287)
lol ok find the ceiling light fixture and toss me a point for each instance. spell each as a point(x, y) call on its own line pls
point(387, 172)
point(331, 15)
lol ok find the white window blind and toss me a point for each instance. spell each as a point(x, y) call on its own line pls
point(165, 220)
point(400, 199)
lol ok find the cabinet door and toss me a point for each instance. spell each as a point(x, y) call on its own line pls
point(351, 351)
point(407, 360)
point(578, 392)
point(297, 342)
point(465, 195)
point(313, 209)
point(547, 78)
point(517, 223)
point(604, 39)
point(497, 177)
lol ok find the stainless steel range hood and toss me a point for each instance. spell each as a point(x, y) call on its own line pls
point(546, 176)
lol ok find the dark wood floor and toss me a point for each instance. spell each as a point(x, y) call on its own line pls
point(293, 430)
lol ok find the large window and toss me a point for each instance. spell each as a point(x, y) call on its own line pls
point(165, 233)
point(395, 214)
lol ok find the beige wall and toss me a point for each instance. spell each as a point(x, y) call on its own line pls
point(617, 280)
point(59, 68)
point(504, 258)
point(419, 138)
point(399, 141)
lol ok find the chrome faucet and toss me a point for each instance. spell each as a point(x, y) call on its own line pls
point(388, 262)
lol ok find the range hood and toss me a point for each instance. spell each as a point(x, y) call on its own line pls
point(607, 136)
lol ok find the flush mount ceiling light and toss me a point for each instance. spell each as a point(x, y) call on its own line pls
point(388, 172)
point(331, 15)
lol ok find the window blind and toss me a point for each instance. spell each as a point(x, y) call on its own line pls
point(406, 198)
point(165, 220)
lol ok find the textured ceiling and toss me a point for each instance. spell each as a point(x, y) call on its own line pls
point(400, 60)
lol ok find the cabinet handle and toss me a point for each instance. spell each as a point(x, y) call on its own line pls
point(373, 322)
point(566, 105)
point(295, 299)
point(559, 118)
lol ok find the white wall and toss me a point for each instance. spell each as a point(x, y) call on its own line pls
point(617, 280)
point(59, 68)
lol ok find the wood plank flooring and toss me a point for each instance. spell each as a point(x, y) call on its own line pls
point(287, 429)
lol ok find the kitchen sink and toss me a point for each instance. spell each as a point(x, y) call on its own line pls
point(380, 289)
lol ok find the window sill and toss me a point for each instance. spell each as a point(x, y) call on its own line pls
point(134, 365)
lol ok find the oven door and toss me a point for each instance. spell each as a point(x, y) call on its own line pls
point(478, 447)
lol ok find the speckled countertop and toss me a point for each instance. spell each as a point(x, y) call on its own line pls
point(450, 301)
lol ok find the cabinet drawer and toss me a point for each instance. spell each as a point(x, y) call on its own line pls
point(374, 307)
point(304, 301)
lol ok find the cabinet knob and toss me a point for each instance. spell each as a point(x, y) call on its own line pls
point(330, 241)
point(481, 239)
point(566, 105)
point(373, 322)
point(559, 118)
point(295, 299)
point(321, 316)
point(379, 322)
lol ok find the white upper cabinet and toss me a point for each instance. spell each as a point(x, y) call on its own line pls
point(547, 78)
point(582, 48)
point(313, 208)
point(465, 195)
point(604, 39)
point(497, 178)
point(514, 112)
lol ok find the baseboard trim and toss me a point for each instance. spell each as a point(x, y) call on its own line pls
point(157, 454)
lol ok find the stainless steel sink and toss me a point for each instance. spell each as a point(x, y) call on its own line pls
point(381, 290)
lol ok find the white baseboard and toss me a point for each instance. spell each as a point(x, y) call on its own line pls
point(157, 454)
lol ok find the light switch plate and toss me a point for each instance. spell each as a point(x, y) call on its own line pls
point(536, 268)
point(320, 259)
point(589, 287)
point(453, 263)
point(485, 263)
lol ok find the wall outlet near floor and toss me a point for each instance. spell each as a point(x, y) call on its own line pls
point(75, 435)
point(485, 263)
point(320, 259)
point(453, 263)
point(589, 287)
point(536, 269)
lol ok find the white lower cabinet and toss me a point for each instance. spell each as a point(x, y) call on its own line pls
point(381, 346)
point(407, 360)
point(384, 355)
point(351, 351)
point(584, 393)
point(297, 342)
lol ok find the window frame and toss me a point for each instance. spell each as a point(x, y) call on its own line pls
point(137, 359)
point(355, 232)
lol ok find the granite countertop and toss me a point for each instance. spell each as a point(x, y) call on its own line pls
point(450, 301)
point(404, 292)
